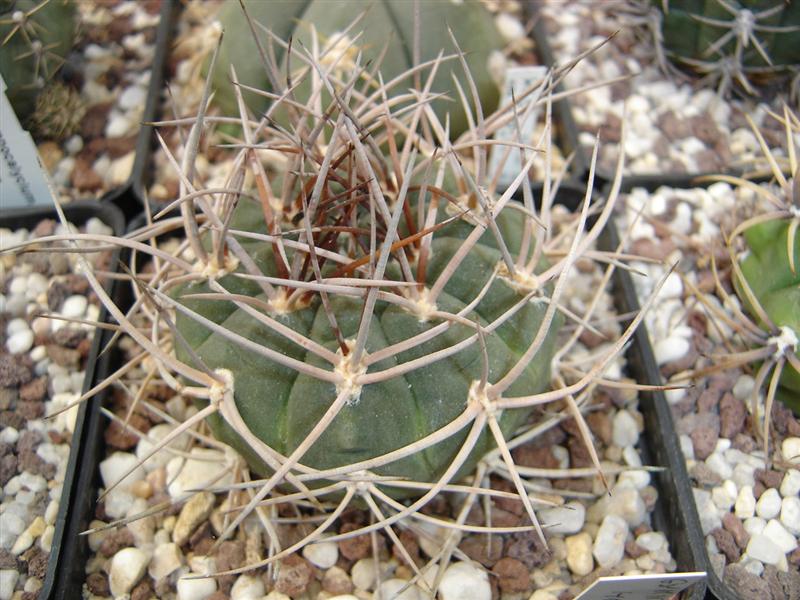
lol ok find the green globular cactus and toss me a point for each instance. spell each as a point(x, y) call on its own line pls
point(741, 41)
point(386, 24)
point(775, 282)
point(36, 36)
point(281, 406)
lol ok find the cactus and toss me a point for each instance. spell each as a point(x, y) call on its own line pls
point(744, 42)
point(36, 38)
point(767, 278)
point(386, 25)
point(362, 318)
point(58, 113)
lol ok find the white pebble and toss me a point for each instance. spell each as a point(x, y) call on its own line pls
point(769, 504)
point(115, 466)
point(743, 388)
point(625, 431)
point(20, 342)
point(764, 549)
point(197, 473)
point(196, 589)
point(790, 486)
point(565, 519)
point(35, 483)
point(717, 463)
point(323, 555)
point(74, 307)
point(391, 589)
point(509, 27)
point(706, 510)
point(127, 568)
point(9, 435)
point(724, 496)
point(670, 349)
point(779, 536)
point(790, 514)
point(609, 543)
point(132, 97)
point(95, 226)
point(248, 587)
point(465, 581)
point(791, 450)
point(579, 553)
point(117, 126)
point(652, 541)
point(74, 144)
point(363, 574)
point(754, 525)
point(8, 581)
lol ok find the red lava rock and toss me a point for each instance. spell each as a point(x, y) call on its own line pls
point(633, 549)
point(84, 178)
point(409, 542)
point(116, 541)
point(486, 550)
point(732, 413)
point(37, 562)
point(34, 391)
point(708, 399)
point(118, 436)
point(732, 524)
point(294, 575)
point(118, 147)
point(527, 548)
point(794, 557)
point(656, 250)
point(784, 421)
point(30, 410)
point(512, 575)
point(600, 425)
point(8, 468)
point(673, 126)
point(143, 590)
point(704, 440)
point(230, 555)
point(65, 357)
point(726, 544)
point(770, 478)
point(578, 453)
point(98, 584)
point(14, 371)
point(528, 455)
point(354, 548)
point(44, 228)
point(93, 124)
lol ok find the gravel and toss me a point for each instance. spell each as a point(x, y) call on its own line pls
point(35, 382)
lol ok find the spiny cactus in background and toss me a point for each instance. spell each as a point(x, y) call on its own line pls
point(36, 35)
point(58, 113)
point(767, 280)
point(744, 42)
point(359, 310)
point(384, 38)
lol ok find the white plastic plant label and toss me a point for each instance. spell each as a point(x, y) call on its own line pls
point(518, 79)
point(23, 181)
point(641, 587)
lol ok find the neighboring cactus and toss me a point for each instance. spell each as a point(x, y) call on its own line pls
point(730, 41)
point(58, 113)
point(36, 38)
point(386, 25)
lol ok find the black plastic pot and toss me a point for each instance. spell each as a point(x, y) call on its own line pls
point(658, 445)
point(61, 563)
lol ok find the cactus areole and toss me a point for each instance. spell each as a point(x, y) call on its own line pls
point(280, 405)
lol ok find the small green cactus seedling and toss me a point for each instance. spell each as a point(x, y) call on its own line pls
point(742, 42)
point(384, 36)
point(36, 37)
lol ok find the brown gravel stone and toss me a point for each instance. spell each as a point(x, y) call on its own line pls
point(294, 576)
point(704, 440)
point(527, 548)
point(732, 524)
point(34, 391)
point(782, 585)
point(8, 468)
point(14, 371)
point(578, 453)
point(632, 549)
point(512, 575)
point(704, 475)
point(31, 410)
point(409, 541)
point(117, 436)
point(118, 147)
point(8, 398)
point(732, 413)
point(336, 581)
point(673, 126)
point(784, 421)
point(744, 584)
point(486, 550)
point(37, 562)
point(770, 478)
point(794, 557)
point(600, 425)
point(84, 178)
point(357, 547)
point(656, 250)
point(116, 541)
point(528, 455)
point(93, 124)
point(143, 590)
point(98, 584)
point(65, 357)
point(8, 560)
point(726, 544)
